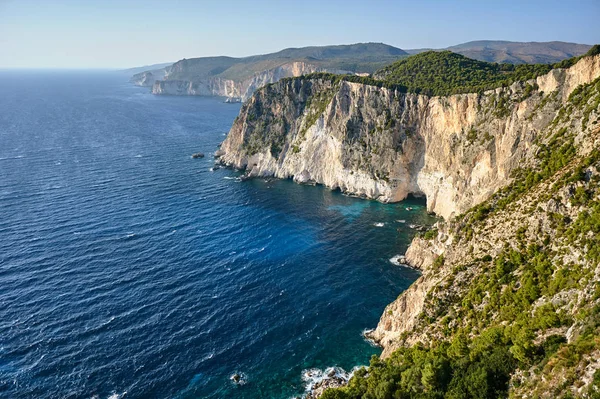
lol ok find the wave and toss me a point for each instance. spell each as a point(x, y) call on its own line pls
point(370, 341)
point(315, 378)
point(400, 260)
point(238, 378)
point(9, 158)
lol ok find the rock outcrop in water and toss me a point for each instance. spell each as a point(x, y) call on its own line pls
point(382, 144)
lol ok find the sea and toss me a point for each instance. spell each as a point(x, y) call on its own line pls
point(128, 269)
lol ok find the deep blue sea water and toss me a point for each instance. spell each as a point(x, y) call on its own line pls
point(128, 269)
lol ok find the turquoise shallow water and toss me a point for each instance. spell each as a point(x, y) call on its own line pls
point(128, 269)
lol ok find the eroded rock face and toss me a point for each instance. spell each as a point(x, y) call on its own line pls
point(382, 144)
point(217, 86)
point(147, 79)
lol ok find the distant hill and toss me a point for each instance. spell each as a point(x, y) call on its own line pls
point(356, 58)
point(146, 68)
point(237, 78)
point(515, 52)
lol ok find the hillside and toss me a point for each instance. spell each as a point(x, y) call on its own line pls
point(508, 302)
point(361, 57)
point(239, 77)
point(446, 73)
point(502, 51)
point(519, 52)
point(152, 67)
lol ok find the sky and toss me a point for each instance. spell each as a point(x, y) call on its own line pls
point(130, 33)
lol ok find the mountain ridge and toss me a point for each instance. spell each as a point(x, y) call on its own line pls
point(237, 78)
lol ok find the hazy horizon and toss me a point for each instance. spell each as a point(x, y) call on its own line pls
point(67, 34)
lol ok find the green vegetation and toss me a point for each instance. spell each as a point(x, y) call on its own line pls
point(458, 369)
point(430, 234)
point(446, 73)
point(315, 105)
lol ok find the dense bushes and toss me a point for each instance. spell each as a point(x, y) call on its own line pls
point(481, 367)
point(459, 369)
point(445, 73)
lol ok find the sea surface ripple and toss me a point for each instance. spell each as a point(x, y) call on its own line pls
point(130, 270)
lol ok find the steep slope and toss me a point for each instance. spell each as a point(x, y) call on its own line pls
point(239, 77)
point(509, 300)
point(384, 143)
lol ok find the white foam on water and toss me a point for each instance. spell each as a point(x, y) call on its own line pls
point(370, 341)
point(396, 260)
point(314, 376)
point(243, 378)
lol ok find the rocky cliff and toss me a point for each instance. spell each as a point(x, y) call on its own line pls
point(508, 303)
point(147, 78)
point(231, 88)
point(383, 144)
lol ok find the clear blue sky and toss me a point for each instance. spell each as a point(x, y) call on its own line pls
point(127, 33)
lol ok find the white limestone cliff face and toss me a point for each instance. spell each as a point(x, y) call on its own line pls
point(378, 143)
point(398, 324)
point(218, 86)
point(147, 78)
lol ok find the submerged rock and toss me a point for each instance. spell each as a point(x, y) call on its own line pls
point(198, 155)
